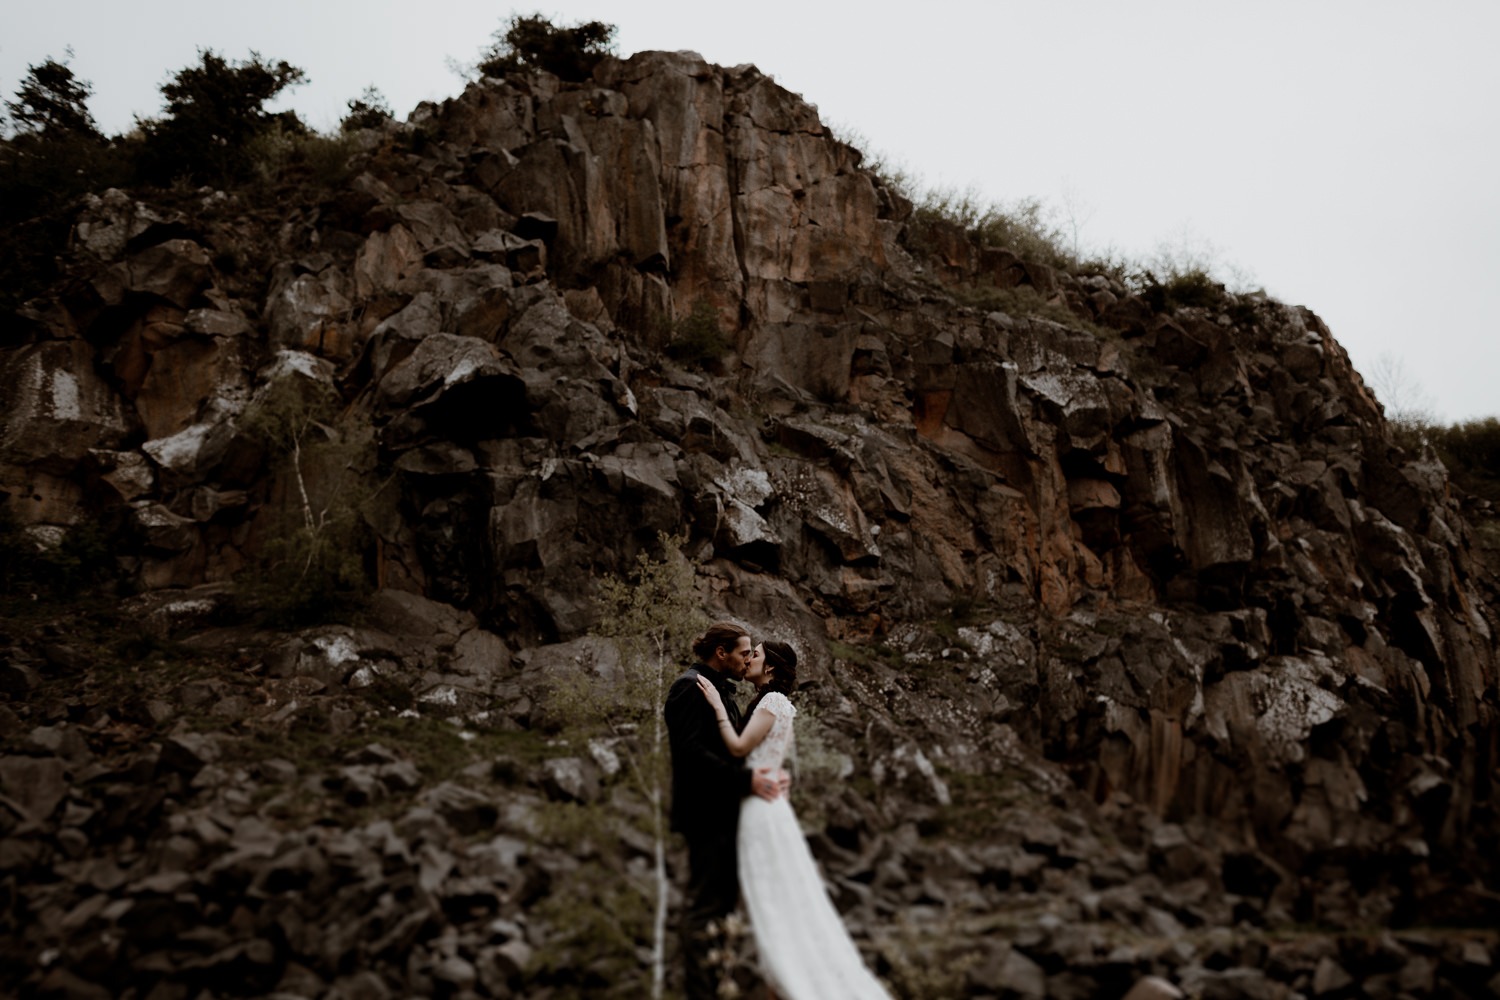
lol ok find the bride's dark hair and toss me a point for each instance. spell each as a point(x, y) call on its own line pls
point(781, 660)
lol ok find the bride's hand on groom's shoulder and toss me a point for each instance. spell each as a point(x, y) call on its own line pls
point(710, 692)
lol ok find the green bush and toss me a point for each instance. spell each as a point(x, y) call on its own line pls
point(1194, 288)
point(214, 111)
point(309, 575)
point(1183, 273)
point(29, 254)
point(41, 174)
point(1473, 445)
point(326, 158)
point(278, 154)
point(698, 339)
point(83, 560)
point(1412, 431)
point(651, 616)
point(269, 152)
point(1024, 227)
point(533, 42)
point(369, 110)
point(53, 103)
point(311, 567)
point(54, 154)
point(1471, 451)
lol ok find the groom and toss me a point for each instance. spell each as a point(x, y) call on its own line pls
point(707, 785)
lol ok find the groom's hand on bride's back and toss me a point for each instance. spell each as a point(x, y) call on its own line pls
point(767, 783)
point(783, 781)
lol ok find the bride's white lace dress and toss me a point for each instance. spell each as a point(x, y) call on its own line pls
point(805, 951)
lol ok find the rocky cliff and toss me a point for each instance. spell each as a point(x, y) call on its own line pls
point(1143, 639)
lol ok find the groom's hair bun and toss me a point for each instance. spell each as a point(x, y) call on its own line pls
point(725, 634)
point(782, 659)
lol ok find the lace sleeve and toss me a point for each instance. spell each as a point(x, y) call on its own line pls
point(779, 705)
point(773, 749)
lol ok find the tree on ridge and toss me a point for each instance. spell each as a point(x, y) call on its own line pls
point(52, 103)
point(534, 42)
point(214, 111)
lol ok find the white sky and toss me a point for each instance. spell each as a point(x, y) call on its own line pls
point(1343, 153)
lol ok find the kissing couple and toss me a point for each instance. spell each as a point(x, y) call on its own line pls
point(729, 801)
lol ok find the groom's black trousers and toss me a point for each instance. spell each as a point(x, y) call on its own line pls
point(713, 892)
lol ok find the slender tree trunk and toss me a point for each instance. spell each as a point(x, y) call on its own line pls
point(307, 514)
point(659, 928)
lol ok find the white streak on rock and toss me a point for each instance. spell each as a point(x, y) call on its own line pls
point(65, 399)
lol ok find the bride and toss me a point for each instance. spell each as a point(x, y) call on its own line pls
point(804, 949)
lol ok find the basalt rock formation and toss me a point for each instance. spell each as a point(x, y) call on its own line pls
point(1129, 617)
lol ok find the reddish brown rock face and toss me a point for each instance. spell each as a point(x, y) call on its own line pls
point(1163, 550)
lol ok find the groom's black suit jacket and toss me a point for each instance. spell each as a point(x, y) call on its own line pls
point(708, 781)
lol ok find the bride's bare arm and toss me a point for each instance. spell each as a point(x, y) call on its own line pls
point(749, 738)
point(755, 730)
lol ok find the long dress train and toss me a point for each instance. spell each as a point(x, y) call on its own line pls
point(805, 950)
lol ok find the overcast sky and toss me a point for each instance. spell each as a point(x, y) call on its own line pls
point(1343, 155)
